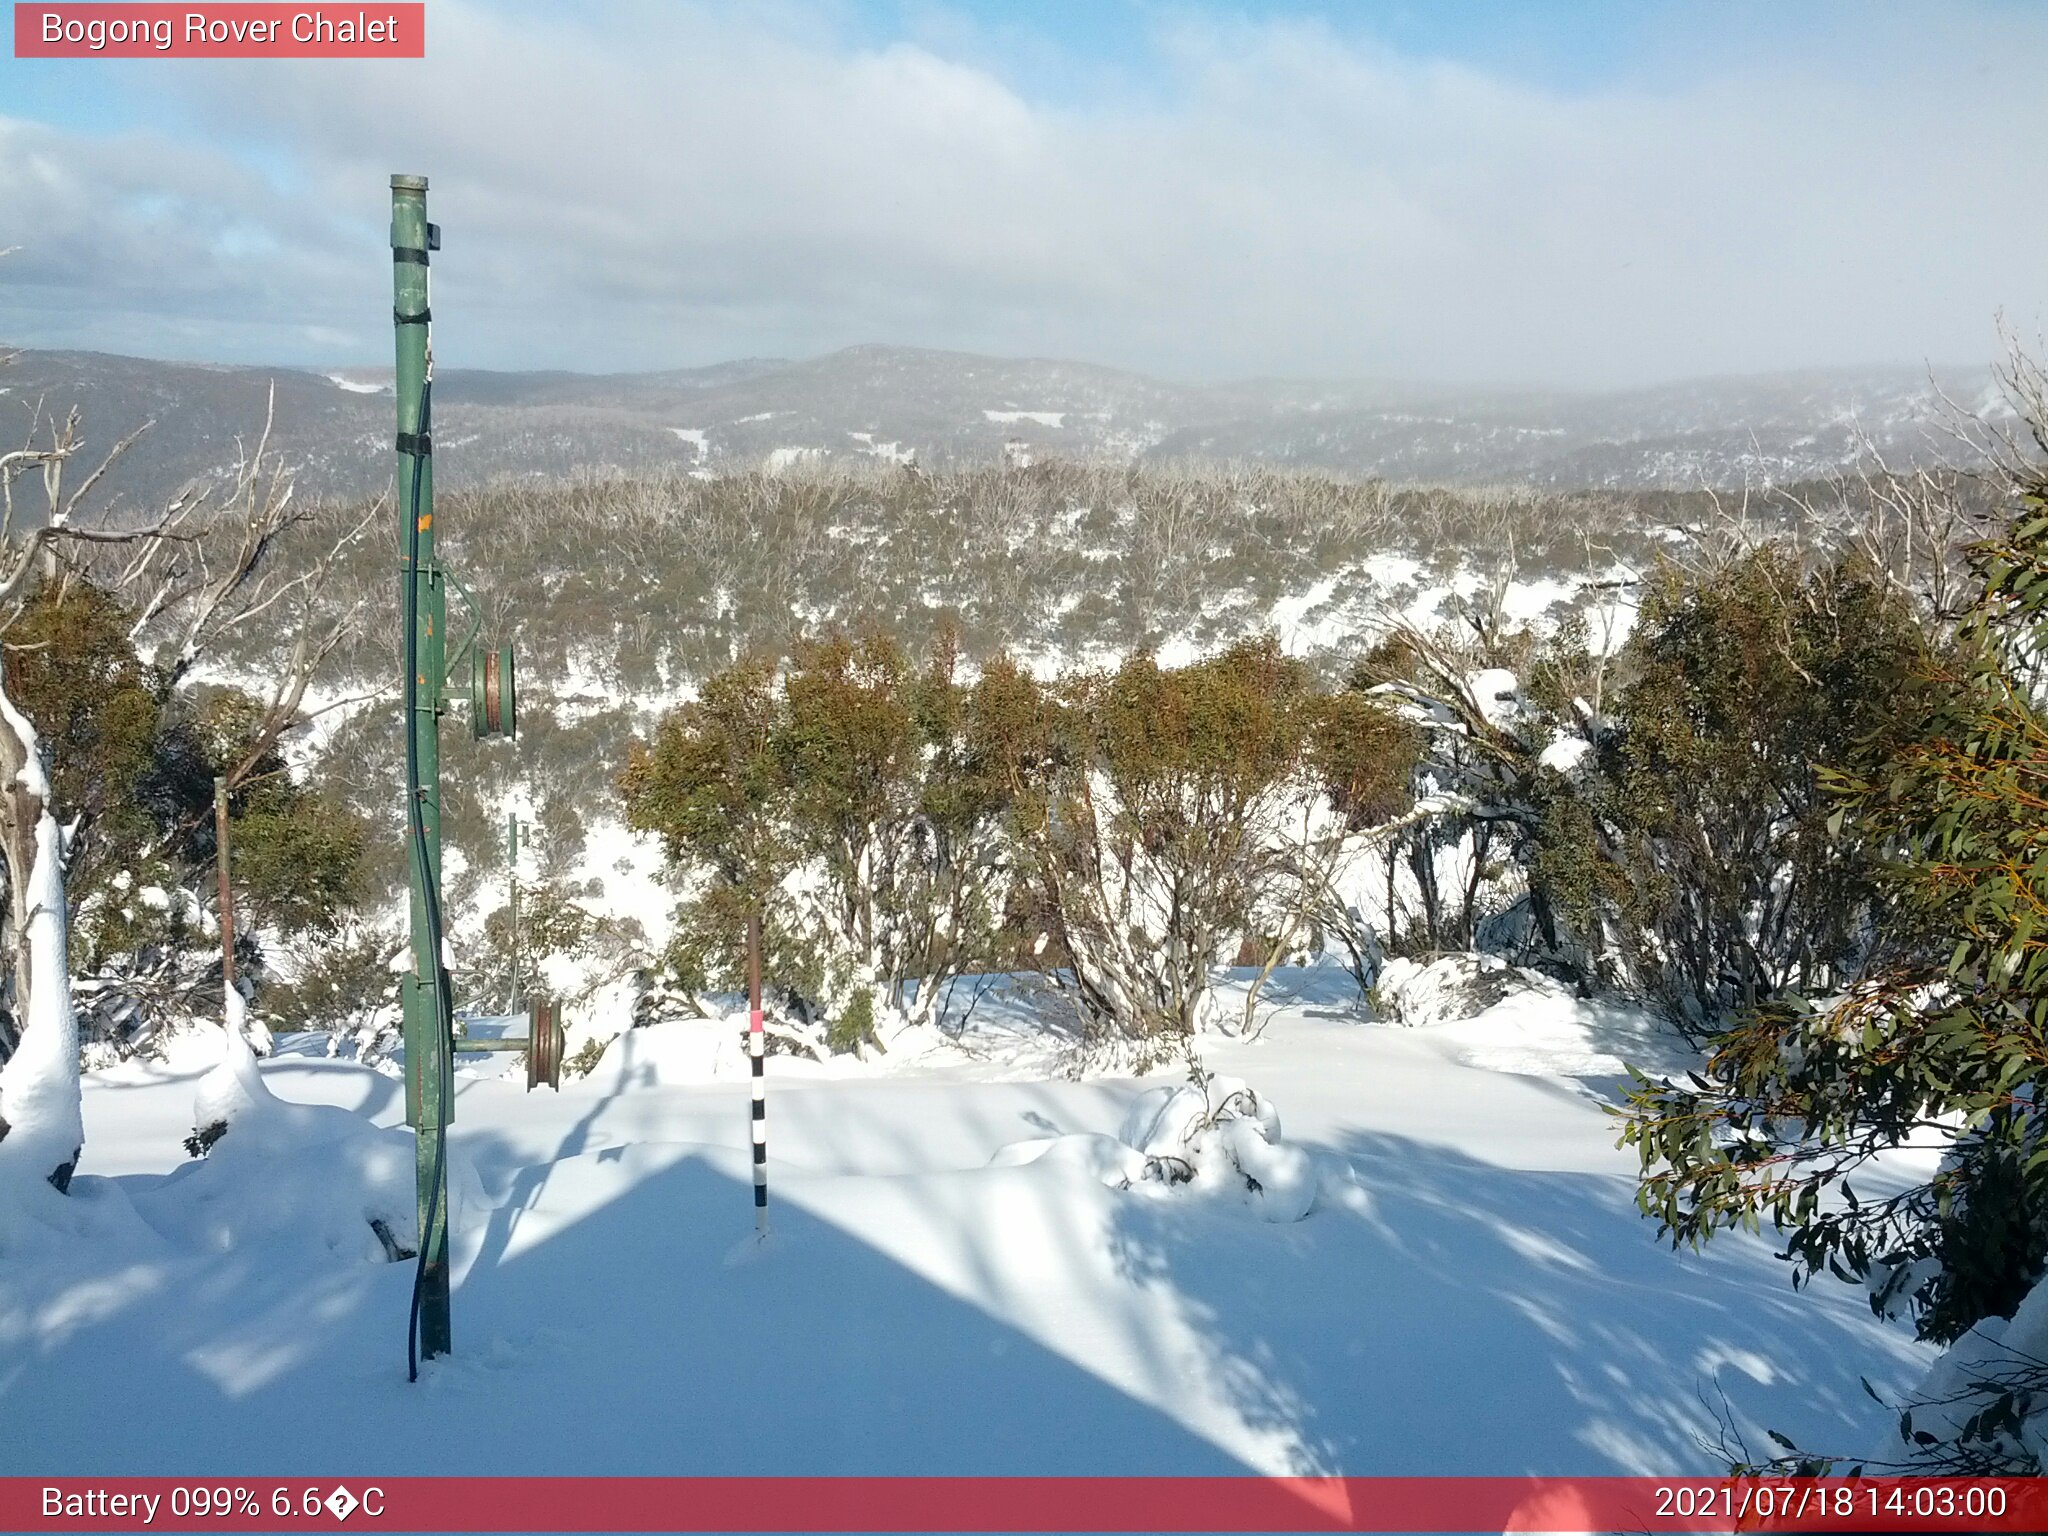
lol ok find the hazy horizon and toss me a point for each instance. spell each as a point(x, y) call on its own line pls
point(1504, 386)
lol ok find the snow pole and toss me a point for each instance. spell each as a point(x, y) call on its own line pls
point(757, 1051)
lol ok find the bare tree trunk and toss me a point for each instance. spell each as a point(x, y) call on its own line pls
point(20, 810)
point(42, 1127)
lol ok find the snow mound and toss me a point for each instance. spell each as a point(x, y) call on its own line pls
point(675, 1051)
point(602, 1017)
point(312, 1177)
point(1102, 1158)
point(1421, 993)
point(39, 1087)
point(234, 1087)
point(1482, 1012)
point(1220, 1137)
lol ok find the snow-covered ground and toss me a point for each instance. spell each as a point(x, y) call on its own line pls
point(1472, 1291)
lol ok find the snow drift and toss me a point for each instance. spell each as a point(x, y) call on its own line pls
point(311, 1176)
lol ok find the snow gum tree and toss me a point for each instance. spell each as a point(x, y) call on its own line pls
point(1163, 830)
point(1461, 867)
point(1946, 1025)
point(709, 785)
point(1727, 885)
point(133, 761)
point(859, 803)
point(852, 762)
point(1362, 757)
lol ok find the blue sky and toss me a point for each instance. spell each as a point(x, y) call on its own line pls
point(1580, 194)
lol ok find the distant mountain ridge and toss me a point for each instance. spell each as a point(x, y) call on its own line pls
point(888, 404)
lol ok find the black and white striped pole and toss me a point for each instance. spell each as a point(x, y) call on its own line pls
point(757, 1051)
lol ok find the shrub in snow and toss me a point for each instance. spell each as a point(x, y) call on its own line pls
point(1982, 1409)
point(1211, 1135)
point(1218, 1133)
point(1715, 862)
point(1457, 862)
point(565, 941)
point(1419, 993)
point(1971, 1244)
point(585, 1059)
point(342, 982)
point(854, 1026)
point(591, 1023)
point(134, 749)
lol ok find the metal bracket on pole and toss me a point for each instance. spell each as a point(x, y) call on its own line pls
point(476, 621)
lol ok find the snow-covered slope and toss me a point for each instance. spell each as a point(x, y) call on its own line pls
point(1472, 1290)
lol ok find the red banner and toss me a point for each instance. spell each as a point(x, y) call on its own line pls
point(986, 1504)
point(371, 30)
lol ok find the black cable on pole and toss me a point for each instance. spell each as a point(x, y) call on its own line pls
point(430, 895)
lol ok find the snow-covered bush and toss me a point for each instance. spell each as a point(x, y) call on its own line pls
point(590, 1023)
point(1217, 1133)
point(343, 984)
point(97, 730)
point(1419, 993)
point(135, 743)
point(897, 780)
point(1212, 1136)
point(1982, 1409)
point(1455, 872)
point(565, 943)
point(1654, 817)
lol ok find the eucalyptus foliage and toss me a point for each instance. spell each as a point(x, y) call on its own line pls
point(1945, 1030)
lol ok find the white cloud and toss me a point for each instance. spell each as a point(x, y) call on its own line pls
point(649, 186)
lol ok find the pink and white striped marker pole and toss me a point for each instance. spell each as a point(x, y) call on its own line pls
point(757, 1051)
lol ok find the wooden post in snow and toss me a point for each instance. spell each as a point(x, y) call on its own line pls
point(227, 894)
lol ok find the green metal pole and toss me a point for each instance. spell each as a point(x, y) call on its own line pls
point(428, 1100)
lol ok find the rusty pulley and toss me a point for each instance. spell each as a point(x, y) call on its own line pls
point(494, 697)
point(546, 1042)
